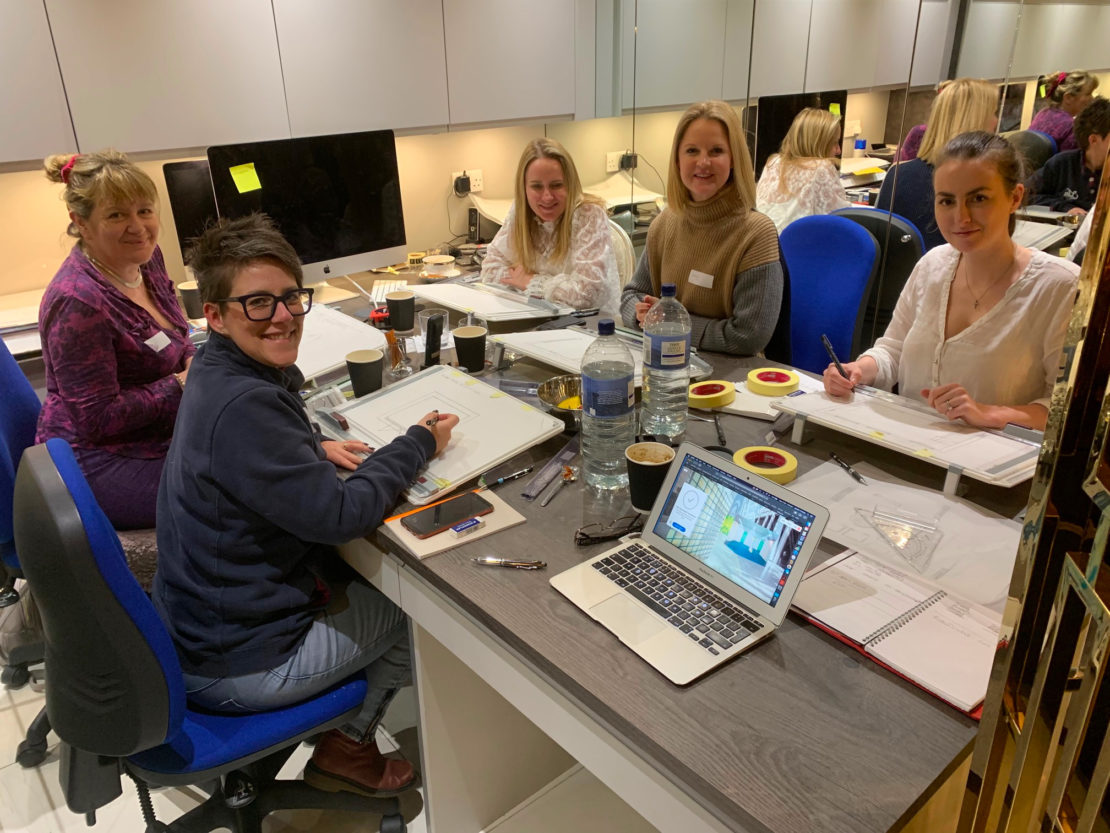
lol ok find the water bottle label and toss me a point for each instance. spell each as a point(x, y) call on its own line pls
point(608, 397)
point(667, 352)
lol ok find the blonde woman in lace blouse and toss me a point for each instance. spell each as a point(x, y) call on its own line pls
point(555, 243)
point(802, 179)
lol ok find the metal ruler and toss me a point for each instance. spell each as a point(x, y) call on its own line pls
point(553, 467)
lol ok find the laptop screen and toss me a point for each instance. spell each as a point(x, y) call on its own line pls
point(750, 537)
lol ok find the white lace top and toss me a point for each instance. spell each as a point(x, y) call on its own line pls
point(810, 187)
point(1008, 357)
point(585, 278)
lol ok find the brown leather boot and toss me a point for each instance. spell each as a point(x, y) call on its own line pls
point(339, 763)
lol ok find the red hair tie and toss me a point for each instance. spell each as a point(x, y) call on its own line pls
point(67, 168)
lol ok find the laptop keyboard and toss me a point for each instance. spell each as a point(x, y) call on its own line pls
point(702, 614)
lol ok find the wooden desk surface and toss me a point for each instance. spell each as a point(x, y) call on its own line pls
point(799, 734)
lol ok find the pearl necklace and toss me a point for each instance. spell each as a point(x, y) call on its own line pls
point(104, 270)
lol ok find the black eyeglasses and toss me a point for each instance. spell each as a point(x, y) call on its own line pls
point(596, 533)
point(261, 306)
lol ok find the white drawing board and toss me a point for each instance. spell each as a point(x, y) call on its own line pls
point(329, 336)
point(485, 302)
point(493, 426)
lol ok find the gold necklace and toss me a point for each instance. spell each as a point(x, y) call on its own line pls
point(104, 270)
point(967, 281)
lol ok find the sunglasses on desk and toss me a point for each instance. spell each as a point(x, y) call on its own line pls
point(597, 533)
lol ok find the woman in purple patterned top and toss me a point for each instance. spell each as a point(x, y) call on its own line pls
point(114, 341)
point(1068, 94)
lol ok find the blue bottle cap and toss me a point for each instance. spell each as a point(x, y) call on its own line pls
point(861, 144)
point(605, 327)
point(668, 290)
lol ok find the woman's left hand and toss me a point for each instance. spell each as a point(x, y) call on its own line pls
point(517, 278)
point(952, 401)
point(346, 454)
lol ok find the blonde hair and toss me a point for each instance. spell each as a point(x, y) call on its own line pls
point(90, 178)
point(743, 174)
point(962, 105)
point(1059, 84)
point(523, 220)
point(810, 135)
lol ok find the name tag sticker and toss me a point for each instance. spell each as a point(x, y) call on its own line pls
point(158, 342)
point(701, 279)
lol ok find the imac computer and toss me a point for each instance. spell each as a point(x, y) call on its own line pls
point(775, 114)
point(191, 200)
point(337, 199)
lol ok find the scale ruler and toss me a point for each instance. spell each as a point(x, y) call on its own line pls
point(553, 467)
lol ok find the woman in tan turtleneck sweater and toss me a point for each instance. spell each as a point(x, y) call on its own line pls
point(721, 254)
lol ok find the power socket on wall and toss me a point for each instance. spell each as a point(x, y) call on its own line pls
point(475, 175)
point(613, 161)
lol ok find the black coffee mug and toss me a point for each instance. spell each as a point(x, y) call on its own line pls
point(648, 464)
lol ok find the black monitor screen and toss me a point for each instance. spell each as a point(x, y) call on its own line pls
point(191, 201)
point(776, 113)
point(337, 199)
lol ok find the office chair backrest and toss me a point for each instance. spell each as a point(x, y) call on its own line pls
point(19, 413)
point(623, 252)
point(832, 263)
point(1036, 147)
point(115, 685)
point(900, 247)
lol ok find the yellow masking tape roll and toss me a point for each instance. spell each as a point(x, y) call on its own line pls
point(772, 381)
point(417, 258)
point(773, 463)
point(713, 394)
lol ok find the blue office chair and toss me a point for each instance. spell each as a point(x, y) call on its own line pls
point(832, 263)
point(1036, 147)
point(900, 247)
point(114, 688)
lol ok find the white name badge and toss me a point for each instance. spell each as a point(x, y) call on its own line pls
point(701, 279)
point(158, 342)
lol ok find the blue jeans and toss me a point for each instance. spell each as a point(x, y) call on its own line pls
point(359, 629)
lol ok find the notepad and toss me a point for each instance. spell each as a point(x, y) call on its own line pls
point(942, 643)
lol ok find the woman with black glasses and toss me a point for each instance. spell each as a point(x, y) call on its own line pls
point(114, 341)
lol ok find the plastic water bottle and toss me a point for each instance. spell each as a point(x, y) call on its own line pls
point(608, 409)
point(666, 366)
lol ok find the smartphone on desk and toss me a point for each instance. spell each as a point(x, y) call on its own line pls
point(437, 518)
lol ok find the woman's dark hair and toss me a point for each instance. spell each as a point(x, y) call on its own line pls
point(230, 245)
point(992, 148)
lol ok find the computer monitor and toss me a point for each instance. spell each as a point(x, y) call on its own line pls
point(337, 199)
point(191, 200)
point(775, 114)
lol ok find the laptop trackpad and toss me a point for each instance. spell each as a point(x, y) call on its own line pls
point(627, 619)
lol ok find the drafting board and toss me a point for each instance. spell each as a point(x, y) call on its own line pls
point(328, 336)
point(910, 427)
point(486, 302)
point(564, 349)
point(493, 426)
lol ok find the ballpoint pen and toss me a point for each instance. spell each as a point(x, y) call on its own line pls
point(507, 478)
point(847, 468)
point(832, 355)
point(488, 561)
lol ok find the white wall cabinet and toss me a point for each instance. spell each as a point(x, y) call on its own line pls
point(151, 76)
point(511, 60)
point(32, 100)
point(352, 65)
point(858, 44)
point(779, 47)
point(739, 20)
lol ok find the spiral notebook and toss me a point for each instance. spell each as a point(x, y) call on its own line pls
point(933, 638)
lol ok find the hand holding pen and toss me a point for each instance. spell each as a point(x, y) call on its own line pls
point(440, 426)
point(841, 378)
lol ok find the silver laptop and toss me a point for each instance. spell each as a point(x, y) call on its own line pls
point(722, 553)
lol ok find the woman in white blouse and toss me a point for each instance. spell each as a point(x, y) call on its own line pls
point(979, 326)
point(802, 178)
point(555, 243)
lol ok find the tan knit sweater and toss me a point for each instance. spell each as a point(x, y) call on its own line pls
point(716, 238)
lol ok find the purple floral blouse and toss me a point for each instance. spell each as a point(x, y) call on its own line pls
point(109, 365)
point(1057, 124)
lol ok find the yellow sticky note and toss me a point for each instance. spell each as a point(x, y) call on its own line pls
point(834, 108)
point(878, 435)
point(245, 177)
point(923, 452)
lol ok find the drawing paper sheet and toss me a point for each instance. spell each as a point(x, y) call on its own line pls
point(763, 407)
point(503, 516)
point(974, 558)
point(493, 426)
point(328, 336)
point(904, 425)
point(560, 348)
point(484, 304)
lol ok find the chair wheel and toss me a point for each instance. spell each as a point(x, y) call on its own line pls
point(15, 676)
point(30, 754)
point(392, 824)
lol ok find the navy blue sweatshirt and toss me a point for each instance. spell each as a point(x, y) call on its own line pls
point(248, 503)
point(913, 198)
point(1065, 182)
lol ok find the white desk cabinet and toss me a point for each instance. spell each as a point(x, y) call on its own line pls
point(148, 76)
point(354, 65)
point(32, 101)
point(509, 60)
